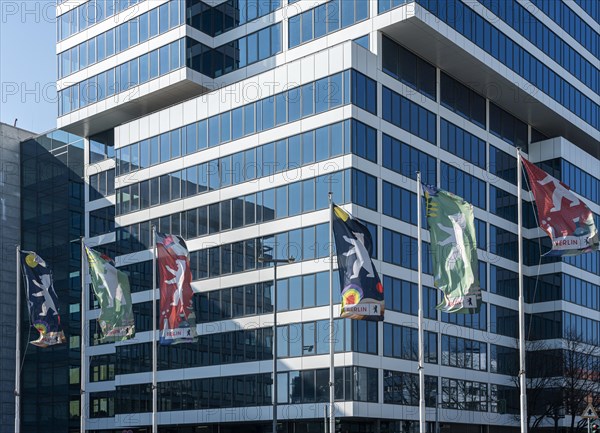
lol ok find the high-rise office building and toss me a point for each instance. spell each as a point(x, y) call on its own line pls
point(228, 122)
point(52, 222)
point(10, 224)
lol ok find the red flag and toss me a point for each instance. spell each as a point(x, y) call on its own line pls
point(567, 220)
point(177, 320)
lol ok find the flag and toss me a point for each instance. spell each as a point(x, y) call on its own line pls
point(567, 220)
point(177, 318)
point(362, 292)
point(111, 288)
point(42, 300)
point(453, 250)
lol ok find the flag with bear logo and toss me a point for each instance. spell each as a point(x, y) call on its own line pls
point(362, 291)
point(454, 251)
point(177, 317)
point(41, 300)
point(111, 287)
point(567, 219)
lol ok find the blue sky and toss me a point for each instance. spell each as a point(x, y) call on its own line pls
point(28, 63)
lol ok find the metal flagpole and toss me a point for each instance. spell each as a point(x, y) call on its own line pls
point(154, 348)
point(274, 346)
point(84, 337)
point(331, 329)
point(18, 347)
point(522, 377)
point(422, 423)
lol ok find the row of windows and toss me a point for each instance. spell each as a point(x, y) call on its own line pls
point(385, 5)
point(285, 107)
point(212, 349)
point(504, 244)
point(403, 388)
point(136, 31)
point(487, 37)
point(294, 293)
point(215, 62)
point(102, 221)
point(408, 68)
point(581, 292)
point(473, 321)
point(285, 154)
point(542, 288)
point(88, 14)
point(464, 395)
point(408, 115)
point(401, 250)
point(217, 392)
point(402, 342)
point(226, 16)
point(572, 23)
point(102, 368)
point(463, 185)
point(325, 19)
point(402, 296)
point(241, 256)
point(123, 77)
point(503, 165)
point(464, 101)
point(546, 40)
point(101, 184)
point(312, 338)
point(464, 353)
point(504, 205)
point(288, 200)
point(507, 127)
point(310, 386)
point(580, 181)
point(542, 326)
point(586, 262)
point(463, 144)
point(591, 7)
point(407, 160)
point(306, 386)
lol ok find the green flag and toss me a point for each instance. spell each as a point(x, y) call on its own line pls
point(454, 251)
point(111, 287)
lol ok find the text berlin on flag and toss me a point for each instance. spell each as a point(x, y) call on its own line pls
point(362, 291)
point(42, 300)
point(177, 318)
point(454, 250)
point(567, 220)
point(111, 287)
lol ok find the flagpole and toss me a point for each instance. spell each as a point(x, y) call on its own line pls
point(422, 422)
point(84, 337)
point(154, 348)
point(18, 346)
point(522, 365)
point(331, 328)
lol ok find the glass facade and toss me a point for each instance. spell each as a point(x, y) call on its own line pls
point(245, 177)
point(487, 37)
point(52, 221)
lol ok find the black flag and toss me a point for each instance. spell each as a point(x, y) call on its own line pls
point(362, 291)
point(42, 300)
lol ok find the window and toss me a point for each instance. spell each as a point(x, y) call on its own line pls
point(408, 115)
point(407, 160)
point(464, 185)
point(462, 100)
point(408, 68)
